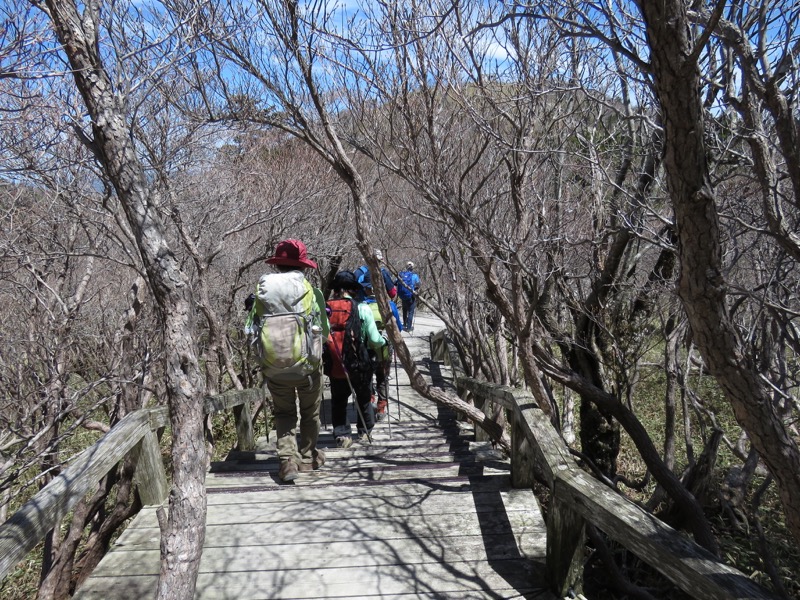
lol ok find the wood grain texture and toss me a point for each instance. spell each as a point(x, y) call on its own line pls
point(683, 562)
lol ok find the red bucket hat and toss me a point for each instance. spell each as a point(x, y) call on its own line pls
point(292, 253)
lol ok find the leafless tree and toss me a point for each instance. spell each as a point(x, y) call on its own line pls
point(490, 180)
point(107, 89)
point(703, 289)
point(269, 54)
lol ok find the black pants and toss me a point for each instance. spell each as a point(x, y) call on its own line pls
point(382, 381)
point(409, 308)
point(340, 394)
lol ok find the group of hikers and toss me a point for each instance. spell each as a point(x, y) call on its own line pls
point(299, 336)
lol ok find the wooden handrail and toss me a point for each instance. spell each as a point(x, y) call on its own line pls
point(135, 434)
point(539, 453)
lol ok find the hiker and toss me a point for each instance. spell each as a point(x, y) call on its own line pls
point(408, 284)
point(362, 273)
point(347, 362)
point(383, 362)
point(293, 325)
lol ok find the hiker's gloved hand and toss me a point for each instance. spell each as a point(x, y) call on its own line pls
point(249, 302)
point(385, 353)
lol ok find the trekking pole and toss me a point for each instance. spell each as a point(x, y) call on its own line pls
point(322, 409)
point(396, 384)
point(386, 371)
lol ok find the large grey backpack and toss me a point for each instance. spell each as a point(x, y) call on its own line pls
point(289, 343)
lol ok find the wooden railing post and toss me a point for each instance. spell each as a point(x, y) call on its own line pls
point(239, 401)
point(522, 463)
point(483, 404)
point(566, 539)
point(244, 427)
point(438, 345)
point(150, 476)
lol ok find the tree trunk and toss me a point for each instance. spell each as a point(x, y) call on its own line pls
point(702, 288)
point(183, 532)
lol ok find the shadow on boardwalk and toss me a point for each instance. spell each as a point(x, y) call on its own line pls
point(423, 512)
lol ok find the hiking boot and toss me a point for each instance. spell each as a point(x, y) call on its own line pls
point(344, 442)
point(380, 409)
point(364, 438)
point(288, 471)
point(316, 463)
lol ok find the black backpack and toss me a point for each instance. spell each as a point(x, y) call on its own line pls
point(346, 353)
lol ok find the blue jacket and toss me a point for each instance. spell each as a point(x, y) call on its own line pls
point(407, 283)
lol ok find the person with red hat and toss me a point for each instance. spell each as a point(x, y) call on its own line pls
point(288, 305)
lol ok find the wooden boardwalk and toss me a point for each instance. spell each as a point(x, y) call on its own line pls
point(422, 512)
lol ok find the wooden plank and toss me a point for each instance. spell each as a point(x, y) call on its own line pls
point(309, 530)
point(20, 533)
point(475, 485)
point(463, 580)
point(330, 554)
point(368, 474)
point(486, 406)
point(159, 417)
point(343, 460)
point(683, 562)
point(350, 464)
point(402, 438)
point(357, 451)
point(499, 394)
point(338, 458)
point(148, 592)
point(438, 346)
point(453, 360)
point(522, 465)
point(352, 506)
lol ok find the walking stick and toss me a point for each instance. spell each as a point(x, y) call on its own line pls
point(386, 372)
point(322, 409)
point(396, 384)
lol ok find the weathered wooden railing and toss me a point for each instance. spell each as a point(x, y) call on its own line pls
point(136, 434)
point(538, 453)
